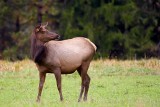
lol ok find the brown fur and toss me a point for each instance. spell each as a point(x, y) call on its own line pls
point(37, 49)
point(61, 57)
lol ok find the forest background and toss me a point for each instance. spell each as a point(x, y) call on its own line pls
point(123, 29)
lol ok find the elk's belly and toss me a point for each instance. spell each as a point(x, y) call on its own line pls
point(70, 66)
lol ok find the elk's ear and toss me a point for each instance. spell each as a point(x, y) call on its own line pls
point(46, 24)
point(37, 29)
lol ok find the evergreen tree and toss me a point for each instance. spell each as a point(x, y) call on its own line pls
point(119, 28)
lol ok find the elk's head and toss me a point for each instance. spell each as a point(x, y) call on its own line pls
point(45, 35)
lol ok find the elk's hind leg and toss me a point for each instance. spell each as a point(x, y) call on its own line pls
point(82, 87)
point(82, 70)
point(87, 82)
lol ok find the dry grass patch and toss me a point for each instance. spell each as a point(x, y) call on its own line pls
point(144, 63)
point(17, 66)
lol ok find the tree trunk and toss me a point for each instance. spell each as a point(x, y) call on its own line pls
point(39, 11)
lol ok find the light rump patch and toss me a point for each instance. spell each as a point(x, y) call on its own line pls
point(91, 44)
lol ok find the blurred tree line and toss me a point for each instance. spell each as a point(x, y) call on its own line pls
point(119, 28)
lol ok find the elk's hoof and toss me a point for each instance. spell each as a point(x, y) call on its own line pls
point(38, 100)
point(85, 99)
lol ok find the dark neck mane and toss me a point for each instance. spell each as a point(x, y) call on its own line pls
point(38, 50)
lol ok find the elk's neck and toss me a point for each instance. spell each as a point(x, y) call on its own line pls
point(38, 51)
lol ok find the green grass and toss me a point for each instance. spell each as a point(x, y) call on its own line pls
point(113, 84)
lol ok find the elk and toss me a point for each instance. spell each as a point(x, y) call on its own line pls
point(61, 57)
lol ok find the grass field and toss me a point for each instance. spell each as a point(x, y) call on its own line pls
point(114, 83)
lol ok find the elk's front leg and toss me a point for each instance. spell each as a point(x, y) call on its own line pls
point(57, 73)
point(42, 77)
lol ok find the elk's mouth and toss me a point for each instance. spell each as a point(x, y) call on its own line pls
point(57, 38)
